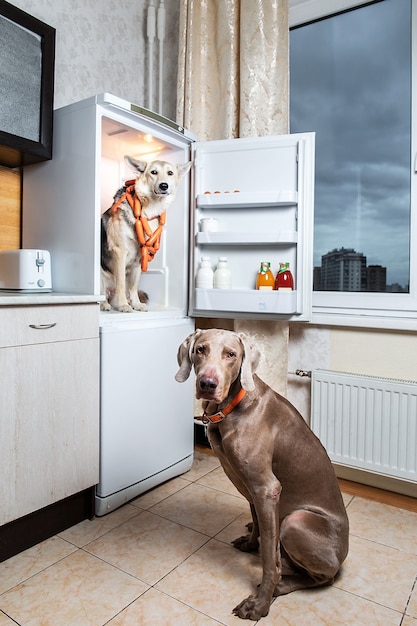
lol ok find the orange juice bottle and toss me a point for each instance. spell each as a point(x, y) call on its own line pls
point(265, 278)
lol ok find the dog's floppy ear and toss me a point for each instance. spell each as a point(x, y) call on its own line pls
point(250, 362)
point(184, 357)
point(183, 169)
point(138, 167)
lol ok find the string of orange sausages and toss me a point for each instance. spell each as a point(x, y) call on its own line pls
point(149, 240)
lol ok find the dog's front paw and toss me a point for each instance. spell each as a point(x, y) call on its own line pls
point(252, 608)
point(105, 306)
point(124, 308)
point(246, 543)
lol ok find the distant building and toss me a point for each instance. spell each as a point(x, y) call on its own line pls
point(317, 278)
point(376, 278)
point(343, 269)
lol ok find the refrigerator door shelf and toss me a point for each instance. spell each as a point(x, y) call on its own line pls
point(238, 301)
point(246, 199)
point(246, 239)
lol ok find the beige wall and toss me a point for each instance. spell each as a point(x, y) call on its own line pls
point(374, 352)
point(386, 353)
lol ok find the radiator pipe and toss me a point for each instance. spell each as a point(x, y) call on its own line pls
point(151, 20)
point(161, 37)
point(301, 373)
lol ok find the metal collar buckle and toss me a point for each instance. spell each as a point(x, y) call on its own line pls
point(220, 415)
point(217, 417)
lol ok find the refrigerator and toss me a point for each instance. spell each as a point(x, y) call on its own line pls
point(259, 191)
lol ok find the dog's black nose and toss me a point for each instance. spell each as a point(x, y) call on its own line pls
point(208, 384)
point(163, 186)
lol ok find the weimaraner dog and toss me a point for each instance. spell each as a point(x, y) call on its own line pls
point(275, 461)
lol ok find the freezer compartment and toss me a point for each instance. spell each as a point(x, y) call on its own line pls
point(146, 417)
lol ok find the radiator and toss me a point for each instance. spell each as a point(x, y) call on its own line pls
point(366, 423)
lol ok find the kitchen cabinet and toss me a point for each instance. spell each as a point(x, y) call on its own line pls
point(49, 389)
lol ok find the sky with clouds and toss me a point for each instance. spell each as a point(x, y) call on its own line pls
point(350, 82)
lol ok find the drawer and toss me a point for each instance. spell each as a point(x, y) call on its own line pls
point(27, 325)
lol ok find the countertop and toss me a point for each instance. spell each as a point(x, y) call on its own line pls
point(17, 298)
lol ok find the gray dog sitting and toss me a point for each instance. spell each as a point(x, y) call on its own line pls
point(275, 461)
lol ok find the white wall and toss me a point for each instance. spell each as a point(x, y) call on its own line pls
point(101, 46)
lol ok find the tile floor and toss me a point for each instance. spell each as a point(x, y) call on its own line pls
point(166, 559)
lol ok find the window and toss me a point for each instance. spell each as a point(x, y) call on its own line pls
point(350, 78)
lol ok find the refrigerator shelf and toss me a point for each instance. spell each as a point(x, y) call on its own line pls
point(246, 199)
point(242, 300)
point(246, 239)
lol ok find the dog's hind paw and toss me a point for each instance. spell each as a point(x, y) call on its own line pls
point(143, 296)
point(246, 544)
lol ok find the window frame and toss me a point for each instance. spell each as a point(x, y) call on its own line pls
point(369, 310)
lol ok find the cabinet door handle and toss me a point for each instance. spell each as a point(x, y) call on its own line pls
point(42, 326)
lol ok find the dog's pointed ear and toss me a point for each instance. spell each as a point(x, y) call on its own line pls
point(250, 361)
point(183, 169)
point(138, 167)
point(184, 357)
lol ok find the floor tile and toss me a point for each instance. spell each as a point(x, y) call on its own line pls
point(238, 528)
point(79, 590)
point(203, 464)
point(328, 606)
point(147, 546)
point(157, 609)
point(214, 580)
point(347, 498)
point(178, 537)
point(217, 479)
point(6, 621)
point(384, 524)
point(24, 565)
point(378, 573)
point(152, 497)
point(88, 530)
point(412, 604)
point(206, 510)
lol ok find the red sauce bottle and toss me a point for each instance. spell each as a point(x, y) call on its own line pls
point(284, 280)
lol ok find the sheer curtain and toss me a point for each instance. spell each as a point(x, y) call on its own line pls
point(233, 82)
point(233, 68)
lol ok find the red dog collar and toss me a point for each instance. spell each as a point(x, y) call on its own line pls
point(220, 415)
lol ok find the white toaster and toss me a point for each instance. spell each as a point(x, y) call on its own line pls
point(25, 270)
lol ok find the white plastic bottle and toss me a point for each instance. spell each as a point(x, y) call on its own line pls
point(222, 275)
point(204, 278)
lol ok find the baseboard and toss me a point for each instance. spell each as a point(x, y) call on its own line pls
point(31, 529)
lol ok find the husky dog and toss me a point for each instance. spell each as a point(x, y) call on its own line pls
point(124, 241)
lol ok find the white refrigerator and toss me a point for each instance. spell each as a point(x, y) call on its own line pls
point(260, 190)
